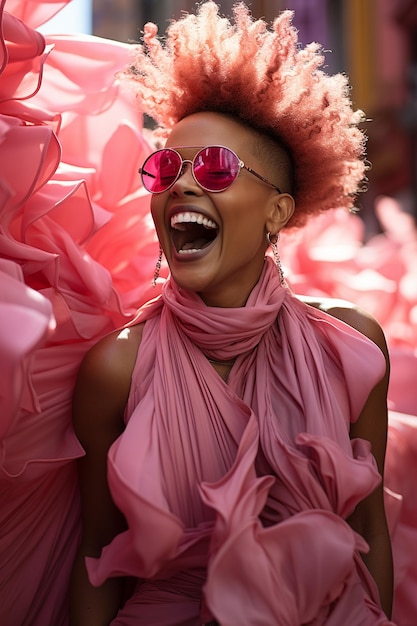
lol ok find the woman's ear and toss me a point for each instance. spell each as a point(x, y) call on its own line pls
point(280, 211)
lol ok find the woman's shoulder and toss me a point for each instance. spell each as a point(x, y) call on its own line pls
point(102, 387)
point(350, 314)
point(113, 357)
point(105, 374)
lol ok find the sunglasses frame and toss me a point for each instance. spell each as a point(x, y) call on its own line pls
point(240, 164)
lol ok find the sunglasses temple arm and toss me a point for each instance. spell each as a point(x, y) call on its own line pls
point(261, 178)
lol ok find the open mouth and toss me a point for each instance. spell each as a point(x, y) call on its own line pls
point(192, 231)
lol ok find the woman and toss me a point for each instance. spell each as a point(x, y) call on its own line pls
point(235, 435)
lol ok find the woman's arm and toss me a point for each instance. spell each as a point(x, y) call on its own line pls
point(369, 519)
point(100, 397)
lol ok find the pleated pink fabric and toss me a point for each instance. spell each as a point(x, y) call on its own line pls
point(77, 253)
point(65, 129)
point(247, 484)
point(329, 258)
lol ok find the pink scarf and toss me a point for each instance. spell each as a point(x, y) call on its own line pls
point(194, 445)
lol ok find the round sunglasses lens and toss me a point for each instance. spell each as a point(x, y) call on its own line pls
point(215, 168)
point(160, 170)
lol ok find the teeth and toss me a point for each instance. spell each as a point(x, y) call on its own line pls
point(192, 218)
point(190, 251)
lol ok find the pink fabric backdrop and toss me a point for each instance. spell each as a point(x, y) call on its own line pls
point(77, 254)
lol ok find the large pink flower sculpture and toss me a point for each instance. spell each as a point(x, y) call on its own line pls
point(77, 252)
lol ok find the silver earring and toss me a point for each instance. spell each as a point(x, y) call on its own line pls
point(273, 242)
point(157, 267)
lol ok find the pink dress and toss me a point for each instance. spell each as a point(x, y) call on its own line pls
point(77, 253)
point(236, 495)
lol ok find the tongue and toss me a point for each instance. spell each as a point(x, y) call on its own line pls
point(195, 245)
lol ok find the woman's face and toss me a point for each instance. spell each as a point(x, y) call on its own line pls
point(221, 258)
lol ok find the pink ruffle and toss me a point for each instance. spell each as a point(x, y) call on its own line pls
point(400, 471)
point(78, 251)
point(26, 321)
point(243, 576)
point(67, 192)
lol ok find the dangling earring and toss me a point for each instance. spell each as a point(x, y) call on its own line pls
point(157, 267)
point(273, 242)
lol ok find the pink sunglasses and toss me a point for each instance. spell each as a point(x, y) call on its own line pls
point(214, 168)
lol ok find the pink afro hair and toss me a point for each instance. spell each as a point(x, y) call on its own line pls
point(263, 77)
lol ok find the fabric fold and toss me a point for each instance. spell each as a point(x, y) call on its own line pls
point(193, 449)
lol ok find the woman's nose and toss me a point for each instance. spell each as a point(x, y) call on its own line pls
point(186, 182)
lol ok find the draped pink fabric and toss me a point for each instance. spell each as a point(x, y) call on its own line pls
point(329, 258)
point(199, 445)
point(65, 128)
point(77, 253)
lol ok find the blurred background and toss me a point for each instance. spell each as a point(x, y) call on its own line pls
point(374, 41)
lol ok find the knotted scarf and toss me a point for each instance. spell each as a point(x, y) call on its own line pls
point(201, 462)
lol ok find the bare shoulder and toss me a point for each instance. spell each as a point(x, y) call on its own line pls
point(104, 380)
point(352, 315)
point(112, 359)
